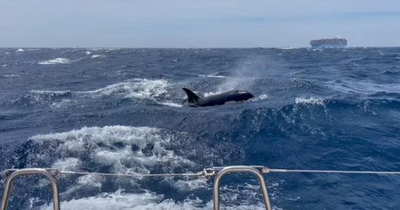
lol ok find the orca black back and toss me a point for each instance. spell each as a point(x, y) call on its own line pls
point(217, 99)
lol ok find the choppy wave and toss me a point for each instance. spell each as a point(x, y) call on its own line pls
point(290, 48)
point(260, 97)
point(43, 96)
point(125, 150)
point(313, 110)
point(95, 56)
point(55, 61)
point(10, 75)
point(64, 103)
point(363, 87)
point(138, 88)
point(214, 75)
point(121, 200)
point(145, 90)
point(310, 100)
point(172, 104)
point(392, 72)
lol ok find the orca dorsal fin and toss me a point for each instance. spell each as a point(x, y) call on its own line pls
point(192, 97)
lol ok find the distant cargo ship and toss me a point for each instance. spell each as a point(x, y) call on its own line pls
point(329, 43)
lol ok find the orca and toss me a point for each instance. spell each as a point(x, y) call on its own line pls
point(218, 99)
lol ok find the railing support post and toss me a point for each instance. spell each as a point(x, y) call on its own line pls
point(229, 169)
point(12, 174)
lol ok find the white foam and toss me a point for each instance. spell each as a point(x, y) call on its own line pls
point(212, 75)
point(62, 103)
point(138, 89)
point(117, 200)
point(74, 144)
point(6, 53)
point(172, 104)
point(43, 96)
point(186, 185)
point(20, 50)
point(317, 49)
point(311, 100)
point(55, 61)
point(90, 181)
point(263, 97)
point(95, 56)
point(50, 92)
point(3, 65)
point(290, 48)
point(111, 158)
point(126, 150)
point(144, 201)
point(88, 53)
point(11, 75)
point(66, 164)
point(97, 144)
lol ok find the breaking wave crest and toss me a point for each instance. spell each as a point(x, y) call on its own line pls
point(55, 61)
point(138, 88)
point(143, 90)
point(156, 91)
point(125, 150)
point(311, 100)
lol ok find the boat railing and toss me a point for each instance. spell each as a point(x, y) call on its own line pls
point(216, 172)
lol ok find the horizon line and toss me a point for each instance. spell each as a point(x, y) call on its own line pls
point(87, 47)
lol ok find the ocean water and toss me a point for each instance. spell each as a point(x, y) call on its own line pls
point(121, 111)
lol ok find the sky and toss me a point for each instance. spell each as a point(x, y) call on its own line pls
point(197, 24)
